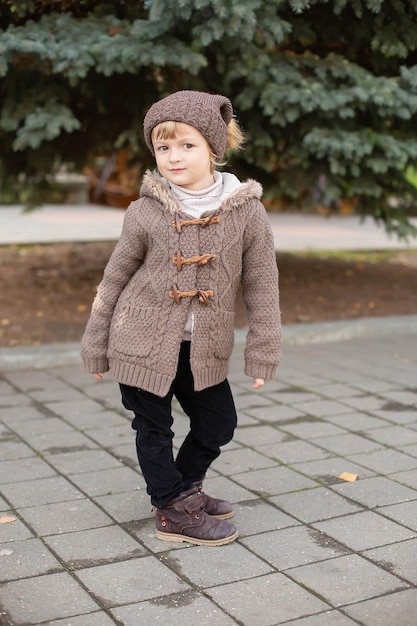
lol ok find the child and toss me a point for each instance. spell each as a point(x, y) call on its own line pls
point(162, 322)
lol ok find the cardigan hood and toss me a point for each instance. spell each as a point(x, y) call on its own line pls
point(154, 186)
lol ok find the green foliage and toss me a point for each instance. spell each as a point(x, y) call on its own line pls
point(326, 90)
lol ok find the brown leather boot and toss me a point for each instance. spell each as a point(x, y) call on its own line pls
point(220, 509)
point(184, 519)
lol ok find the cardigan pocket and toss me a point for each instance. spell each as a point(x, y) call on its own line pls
point(132, 331)
point(225, 334)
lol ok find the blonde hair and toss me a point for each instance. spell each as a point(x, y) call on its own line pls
point(170, 129)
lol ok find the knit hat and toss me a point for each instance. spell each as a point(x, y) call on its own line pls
point(208, 113)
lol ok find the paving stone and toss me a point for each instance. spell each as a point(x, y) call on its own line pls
point(346, 579)
point(311, 429)
point(241, 460)
point(410, 449)
point(358, 422)
point(76, 462)
point(364, 403)
point(95, 546)
point(293, 451)
point(394, 436)
point(24, 470)
point(257, 516)
point(398, 417)
point(376, 491)
point(126, 453)
point(257, 435)
point(265, 599)
point(14, 400)
point(202, 567)
point(313, 505)
point(275, 414)
point(13, 531)
point(4, 506)
point(187, 607)
point(107, 482)
point(252, 400)
point(293, 397)
point(144, 531)
point(33, 427)
point(348, 444)
point(42, 491)
point(274, 481)
point(322, 408)
point(79, 410)
point(406, 478)
point(127, 506)
point(113, 436)
point(13, 449)
point(91, 619)
point(226, 489)
point(396, 608)
point(29, 557)
point(103, 419)
point(294, 546)
point(330, 618)
point(338, 391)
point(386, 461)
point(328, 470)
point(405, 513)
point(131, 581)
point(364, 530)
point(36, 600)
point(61, 442)
point(64, 517)
point(398, 558)
point(403, 397)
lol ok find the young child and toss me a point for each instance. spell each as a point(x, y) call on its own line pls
point(162, 322)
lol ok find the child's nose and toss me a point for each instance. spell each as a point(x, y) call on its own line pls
point(174, 154)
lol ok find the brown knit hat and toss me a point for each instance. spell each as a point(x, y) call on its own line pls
point(209, 113)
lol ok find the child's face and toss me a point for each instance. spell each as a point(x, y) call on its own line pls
point(185, 159)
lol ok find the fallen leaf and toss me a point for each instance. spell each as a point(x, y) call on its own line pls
point(6, 552)
point(7, 520)
point(350, 478)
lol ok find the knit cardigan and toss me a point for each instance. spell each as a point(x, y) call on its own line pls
point(138, 316)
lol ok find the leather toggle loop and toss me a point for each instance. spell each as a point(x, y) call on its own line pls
point(179, 260)
point(203, 295)
point(178, 223)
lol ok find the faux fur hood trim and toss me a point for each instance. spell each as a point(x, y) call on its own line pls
point(154, 186)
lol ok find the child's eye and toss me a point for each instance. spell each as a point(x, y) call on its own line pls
point(162, 148)
point(187, 146)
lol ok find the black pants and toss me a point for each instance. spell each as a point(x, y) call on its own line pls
point(213, 420)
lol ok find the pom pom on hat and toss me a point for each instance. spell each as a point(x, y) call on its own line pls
point(209, 113)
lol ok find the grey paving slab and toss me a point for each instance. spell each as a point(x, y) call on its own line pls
point(11, 449)
point(396, 436)
point(126, 454)
point(108, 482)
point(404, 513)
point(386, 461)
point(131, 581)
point(241, 460)
point(255, 436)
point(226, 489)
point(294, 546)
point(41, 598)
point(376, 491)
point(24, 469)
point(42, 491)
point(266, 600)
point(64, 517)
point(61, 442)
point(201, 566)
point(346, 445)
point(99, 618)
point(346, 580)
point(78, 411)
point(358, 422)
point(179, 608)
point(113, 436)
point(313, 505)
point(29, 557)
point(35, 427)
point(127, 506)
point(78, 461)
point(13, 530)
point(328, 470)
point(95, 546)
point(275, 414)
point(273, 481)
point(406, 478)
point(396, 608)
point(293, 450)
point(363, 530)
point(312, 428)
point(329, 618)
point(398, 558)
point(257, 516)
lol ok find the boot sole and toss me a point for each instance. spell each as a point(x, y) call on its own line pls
point(195, 540)
point(224, 515)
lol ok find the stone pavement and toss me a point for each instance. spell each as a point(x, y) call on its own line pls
point(77, 544)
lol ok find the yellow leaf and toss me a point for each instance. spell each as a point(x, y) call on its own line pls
point(350, 478)
point(7, 520)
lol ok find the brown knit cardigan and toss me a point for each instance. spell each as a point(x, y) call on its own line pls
point(138, 316)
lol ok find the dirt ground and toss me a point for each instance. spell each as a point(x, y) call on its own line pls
point(47, 290)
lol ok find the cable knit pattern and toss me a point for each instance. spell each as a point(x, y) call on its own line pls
point(135, 328)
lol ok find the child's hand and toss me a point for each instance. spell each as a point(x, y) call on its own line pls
point(97, 376)
point(258, 382)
